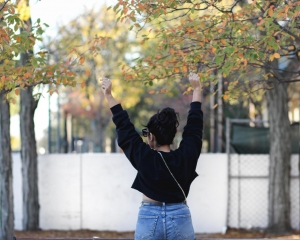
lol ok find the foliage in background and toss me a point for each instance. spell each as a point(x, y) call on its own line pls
point(38, 70)
point(216, 36)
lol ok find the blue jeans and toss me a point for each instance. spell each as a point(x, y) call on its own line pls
point(161, 221)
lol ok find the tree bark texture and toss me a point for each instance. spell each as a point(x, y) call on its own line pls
point(29, 161)
point(280, 155)
point(6, 191)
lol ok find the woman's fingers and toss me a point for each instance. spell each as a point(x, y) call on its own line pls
point(194, 80)
point(106, 85)
point(193, 76)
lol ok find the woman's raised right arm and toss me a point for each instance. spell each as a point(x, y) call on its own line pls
point(106, 87)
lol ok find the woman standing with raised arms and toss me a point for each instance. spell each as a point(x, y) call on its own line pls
point(163, 176)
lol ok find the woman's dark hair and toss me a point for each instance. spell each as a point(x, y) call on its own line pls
point(163, 125)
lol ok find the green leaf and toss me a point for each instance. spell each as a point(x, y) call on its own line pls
point(229, 50)
point(219, 59)
point(133, 19)
point(116, 7)
point(155, 15)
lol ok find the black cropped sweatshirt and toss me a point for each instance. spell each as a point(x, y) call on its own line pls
point(153, 178)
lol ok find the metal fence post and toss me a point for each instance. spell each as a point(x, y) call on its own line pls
point(228, 166)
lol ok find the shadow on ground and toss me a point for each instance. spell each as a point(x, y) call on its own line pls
point(231, 233)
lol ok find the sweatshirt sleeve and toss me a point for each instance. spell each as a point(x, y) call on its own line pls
point(191, 143)
point(128, 138)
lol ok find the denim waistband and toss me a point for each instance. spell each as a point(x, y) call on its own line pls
point(148, 203)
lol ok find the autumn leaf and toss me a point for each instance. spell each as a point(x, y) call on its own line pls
point(18, 39)
point(225, 97)
point(151, 92)
point(276, 55)
point(27, 75)
point(81, 60)
point(185, 69)
point(17, 91)
point(270, 12)
point(87, 72)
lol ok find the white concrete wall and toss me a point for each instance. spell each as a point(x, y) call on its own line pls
point(92, 191)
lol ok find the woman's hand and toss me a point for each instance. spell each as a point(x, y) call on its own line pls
point(106, 86)
point(194, 80)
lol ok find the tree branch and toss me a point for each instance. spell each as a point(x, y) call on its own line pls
point(4, 4)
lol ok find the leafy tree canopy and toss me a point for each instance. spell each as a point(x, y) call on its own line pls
point(13, 42)
point(248, 38)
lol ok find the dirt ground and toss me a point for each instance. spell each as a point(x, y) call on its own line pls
point(231, 233)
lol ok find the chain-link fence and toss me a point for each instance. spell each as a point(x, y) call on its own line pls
point(248, 179)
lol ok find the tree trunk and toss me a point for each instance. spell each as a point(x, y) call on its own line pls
point(6, 192)
point(29, 161)
point(280, 155)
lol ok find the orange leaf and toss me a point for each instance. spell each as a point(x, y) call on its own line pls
point(27, 75)
point(240, 55)
point(87, 72)
point(276, 55)
point(225, 97)
point(177, 70)
point(270, 12)
point(185, 69)
point(18, 39)
point(17, 91)
point(49, 74)
point(151, 92)
point(215, 106)
point(82, 84)
point(81, 60)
